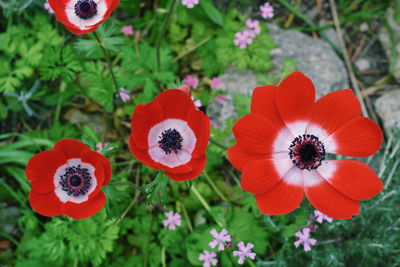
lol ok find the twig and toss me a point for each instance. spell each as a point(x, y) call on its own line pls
point(353, 78)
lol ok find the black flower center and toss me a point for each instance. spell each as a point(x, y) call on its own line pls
point(170, 140)
point(76, 181)
point(307, 152)
point(85, 9)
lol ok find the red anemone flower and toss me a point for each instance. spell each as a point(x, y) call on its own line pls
point(282, 147)
point(68, 180)
point(170, 134)
point(83, 16)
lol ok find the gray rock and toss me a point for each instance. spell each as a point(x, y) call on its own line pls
point(388, 108)
point(385, 38)
point(96, 122)
point(314, 57)
point(363, 64)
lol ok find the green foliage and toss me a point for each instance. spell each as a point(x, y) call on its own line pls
point(66, 241)
point(139, 67)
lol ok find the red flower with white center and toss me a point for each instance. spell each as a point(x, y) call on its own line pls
point(68, 180)
point(83, 16)
point(282, 145)
point(170, 134)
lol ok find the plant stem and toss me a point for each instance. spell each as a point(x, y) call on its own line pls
point(108, 59)
point(58, 107)
point(185, 213)
point(163, 258)
point(213, 185)
point(218, 144)
point(191, 49)
point(163, 31)
point(204, 203)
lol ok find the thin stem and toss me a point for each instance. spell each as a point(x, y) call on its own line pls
point(213, 185)
point(163, 257)
point(134, 199)
point(251, 263)
point(191, 49)
point(185, 213)
point(163, 31)
point(204, 203)
point(108, 59)
point(58, 107)
point(218, 144)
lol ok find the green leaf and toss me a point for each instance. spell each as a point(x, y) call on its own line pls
point(212, 12)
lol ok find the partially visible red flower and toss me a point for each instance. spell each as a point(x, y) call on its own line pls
point(282, 147)
point(83, 16)
point(170, 134)
point(68, 180)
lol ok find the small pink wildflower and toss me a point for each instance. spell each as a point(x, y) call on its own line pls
point(267, 11)
point(100, 147)
point(192, 81)
point(244, 251)
point(320, 217)
point(173, 220)
point(124, 95)
point(185, 88)
point(208, 258)
point(214, 124)
point(253, 27)
point(304, 238)
point(221, 99)
point(197, 102)
point(48, 7)
point(220, 239)
point(190, 3)
point(242, 39)
point(215, 83)
point(127, 30)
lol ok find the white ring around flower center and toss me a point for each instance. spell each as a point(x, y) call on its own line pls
point(284, 165)
point(85, 24)
point(173, 159)
point(63, 195)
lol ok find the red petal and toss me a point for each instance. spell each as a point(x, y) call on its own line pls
point(282, 198)
point(239, 157)
point(59, 7)
point(142, 155)
point(84, 209)
point(99, 162)
point(334, 110)
point(71, 148)
point(330, 201)
point(143, 118)
point(200, 125)
point(353, 178)
point(197, 164)
point(263, 103)
point(175, 104)
point(46, 205)
point(360, 137)
point(295, 100)
point(260, 175)
point(255, 134)
point(41, 168)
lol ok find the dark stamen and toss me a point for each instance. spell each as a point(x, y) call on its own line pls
point(86, 9)
point(76, 181)
point(307, 152)
point(170, 140)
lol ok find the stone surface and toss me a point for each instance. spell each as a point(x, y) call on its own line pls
point(385, 38)
point(388, 108)
point(96, 122)
point(314, 57)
